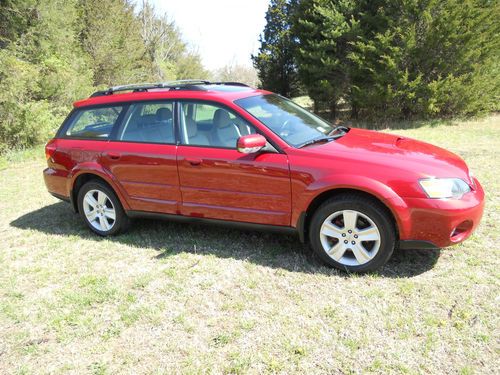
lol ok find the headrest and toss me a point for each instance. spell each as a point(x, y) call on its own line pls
point(221, 118)
point(163, 114)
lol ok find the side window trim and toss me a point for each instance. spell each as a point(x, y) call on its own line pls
point(78, 111)
point(182, 127)
point(118, 124)
point(125, 112)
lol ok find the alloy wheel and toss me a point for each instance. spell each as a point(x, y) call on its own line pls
point(99, 210)
point(350, 237)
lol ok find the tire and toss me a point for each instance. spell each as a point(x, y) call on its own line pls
point(341, 223)
point(104, 214)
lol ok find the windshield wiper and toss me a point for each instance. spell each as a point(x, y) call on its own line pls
point(317, 140)
point(340, 128)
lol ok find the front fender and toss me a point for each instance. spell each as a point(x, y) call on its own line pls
point(98, 170)
point(379, 190)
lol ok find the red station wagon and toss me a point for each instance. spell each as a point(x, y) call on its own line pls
point(225, 152)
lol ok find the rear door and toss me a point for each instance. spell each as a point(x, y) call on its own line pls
point(141, 157)
point(219, 182)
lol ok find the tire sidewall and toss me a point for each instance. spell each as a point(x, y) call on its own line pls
point(121, 219)
point(375, 213)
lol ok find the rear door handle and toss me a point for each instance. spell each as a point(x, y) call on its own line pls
point(112, 155)
point(193, 161)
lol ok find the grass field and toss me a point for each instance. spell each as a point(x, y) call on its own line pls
point(174, 298)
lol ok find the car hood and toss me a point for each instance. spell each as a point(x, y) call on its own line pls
point(395, 152)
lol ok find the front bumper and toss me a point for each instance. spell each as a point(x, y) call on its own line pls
point(443, 222)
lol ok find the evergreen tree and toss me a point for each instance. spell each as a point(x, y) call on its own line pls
point(426, 58)
point(324, 31)
point(275, 61)
point(401, 59)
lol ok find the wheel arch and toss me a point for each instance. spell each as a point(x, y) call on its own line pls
point(82, 178)
point(305, 217)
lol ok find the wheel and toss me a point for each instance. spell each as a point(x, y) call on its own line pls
point(352, 233)
point(101, 209)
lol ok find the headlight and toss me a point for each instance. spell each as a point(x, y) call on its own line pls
point(444, 187)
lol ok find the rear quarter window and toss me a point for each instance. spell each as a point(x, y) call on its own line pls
point(93, 123)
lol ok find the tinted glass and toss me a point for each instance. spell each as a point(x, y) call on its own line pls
point(148, 122)
point(94, 123)
point(210, 125)
point(291, 122)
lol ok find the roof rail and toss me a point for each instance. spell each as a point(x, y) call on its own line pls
point(190, 84)
point(230, 83)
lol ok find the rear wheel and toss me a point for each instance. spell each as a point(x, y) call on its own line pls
point(352, 233)
point(101, 210)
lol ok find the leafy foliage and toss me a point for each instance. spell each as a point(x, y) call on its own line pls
point(433, 58)
point(53, 52)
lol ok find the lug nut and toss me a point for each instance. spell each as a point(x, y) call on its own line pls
point(353, 242)
point(343, 234)
point(350, 231)
point(346, 241)
point(355, 236)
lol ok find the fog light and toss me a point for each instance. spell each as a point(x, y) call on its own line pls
point(461, 230)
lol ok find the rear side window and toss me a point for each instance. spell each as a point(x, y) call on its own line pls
point(93, 123)
point(149, 122)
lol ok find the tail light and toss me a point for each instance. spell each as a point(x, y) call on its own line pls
point(50, 149)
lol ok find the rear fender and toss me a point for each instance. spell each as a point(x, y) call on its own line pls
point(98, 170)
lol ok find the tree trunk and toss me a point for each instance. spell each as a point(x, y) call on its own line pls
point(333, 109)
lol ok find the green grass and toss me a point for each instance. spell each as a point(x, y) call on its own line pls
point(176, 298)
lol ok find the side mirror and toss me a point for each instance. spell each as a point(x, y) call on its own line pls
point(251, 143)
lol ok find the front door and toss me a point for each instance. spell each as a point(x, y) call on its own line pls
point(141, 157)
point(219, 182)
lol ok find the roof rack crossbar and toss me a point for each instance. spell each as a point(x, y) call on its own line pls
point(174, 85)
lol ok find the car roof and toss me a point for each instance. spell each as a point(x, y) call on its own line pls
point(188, 89)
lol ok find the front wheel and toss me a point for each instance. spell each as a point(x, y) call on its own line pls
point(101, 210)
point(352, 233)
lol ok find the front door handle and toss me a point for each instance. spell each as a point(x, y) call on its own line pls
point(193, 161)
point(112, 155)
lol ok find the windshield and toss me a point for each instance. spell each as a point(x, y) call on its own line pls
point(291, 122)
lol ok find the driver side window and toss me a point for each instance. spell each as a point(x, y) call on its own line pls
point(204, 124)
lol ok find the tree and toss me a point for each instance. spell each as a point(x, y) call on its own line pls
point(16, 16)
point(53, 52)
point(324, 31)
point(162, 41)
point(400, 59)
point(275, 61)
point(189, 66)
point(111, 35)
point(168, 56)
point(41, 70)
point(234, 72)
point(426, 58)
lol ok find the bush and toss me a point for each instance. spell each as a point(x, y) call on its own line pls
point(24, 121)
point(403, 59)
